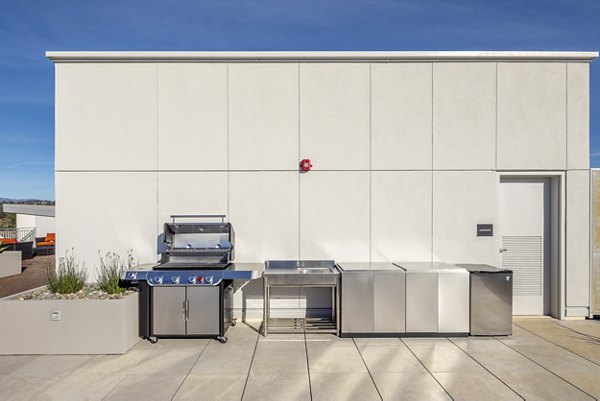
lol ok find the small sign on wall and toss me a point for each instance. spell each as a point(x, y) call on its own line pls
point(485, 230)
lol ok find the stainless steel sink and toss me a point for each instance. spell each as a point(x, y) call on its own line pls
point(301, 272)
point(314, 270)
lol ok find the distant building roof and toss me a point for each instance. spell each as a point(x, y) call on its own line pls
point(33, 210)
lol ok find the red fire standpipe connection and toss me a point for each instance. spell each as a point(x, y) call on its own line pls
point(305, 165)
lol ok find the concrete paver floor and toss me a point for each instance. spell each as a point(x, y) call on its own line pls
point(544, 359)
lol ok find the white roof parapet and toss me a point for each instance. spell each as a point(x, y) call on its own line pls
point(32, 210)
point(316, 56)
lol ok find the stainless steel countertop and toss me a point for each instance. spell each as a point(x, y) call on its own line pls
point(429, 267)
point(368, 266)
point(477, 267)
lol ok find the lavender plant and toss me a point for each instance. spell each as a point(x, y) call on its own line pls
point(69, 278)
point(111, 269)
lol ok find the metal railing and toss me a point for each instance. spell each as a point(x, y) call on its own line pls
point(24, 234)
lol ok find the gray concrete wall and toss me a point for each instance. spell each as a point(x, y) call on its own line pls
point(86, 326)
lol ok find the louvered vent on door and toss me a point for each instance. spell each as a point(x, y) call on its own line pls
point(524, 256)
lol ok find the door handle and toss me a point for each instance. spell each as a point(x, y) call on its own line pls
point(502, 250)
point(187, 309)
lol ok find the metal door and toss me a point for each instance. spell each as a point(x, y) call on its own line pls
point(357, 302)
point(389, 302)
point(203, 311)
point(421, 302)
point(168, 308)
point(524, 209)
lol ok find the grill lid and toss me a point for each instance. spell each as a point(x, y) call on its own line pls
point(197, 243)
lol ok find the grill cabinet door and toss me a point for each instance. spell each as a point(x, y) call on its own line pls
point(168, 311)
point(204, 311)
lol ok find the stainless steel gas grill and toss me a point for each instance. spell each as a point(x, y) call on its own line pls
point(190, 293)
point(197, 245)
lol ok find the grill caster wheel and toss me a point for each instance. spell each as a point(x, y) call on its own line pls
point(233, 322)
point(153, 340)
point(222, 340)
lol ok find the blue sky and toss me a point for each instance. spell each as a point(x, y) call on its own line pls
point(30, 27)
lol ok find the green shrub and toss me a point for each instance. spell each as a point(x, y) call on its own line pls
point(111, 269)
point(69, 278)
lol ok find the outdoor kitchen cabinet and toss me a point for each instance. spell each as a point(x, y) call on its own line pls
point(373, 301)
point(187, 310)
point(437, 298)
point(357, 302)
point(421, 302)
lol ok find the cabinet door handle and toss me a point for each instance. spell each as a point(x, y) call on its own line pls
point(187, 309)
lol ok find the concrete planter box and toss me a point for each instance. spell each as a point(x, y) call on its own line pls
point(10, 263)
point(107, 326)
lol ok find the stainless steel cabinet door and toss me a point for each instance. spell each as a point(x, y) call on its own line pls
point(168, 310)
point(453, 302)
point(357, 302)
point(421, 302)
point(491, 304)
point(203, 314)
point(389, 302)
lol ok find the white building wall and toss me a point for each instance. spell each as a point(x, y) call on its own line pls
point(532, 116)
point(405, 155)
point(25, 221)
point(43, 224)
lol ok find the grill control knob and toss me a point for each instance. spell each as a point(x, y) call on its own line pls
point(208, 279)
point(192, 279)
point(158, 279)
point(175, 279)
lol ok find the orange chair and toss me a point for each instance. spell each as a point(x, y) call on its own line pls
point(45, 245)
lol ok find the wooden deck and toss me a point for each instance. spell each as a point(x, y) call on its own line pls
point(33, 276)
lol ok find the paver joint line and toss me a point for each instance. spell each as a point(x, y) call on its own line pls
point(307, 366)
point(595, 340)
point(490, 372)
point(188, 373)
point(428, 371)
point(250, 367)
point(558, 345)
point(543, 367)
point(368, 370)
